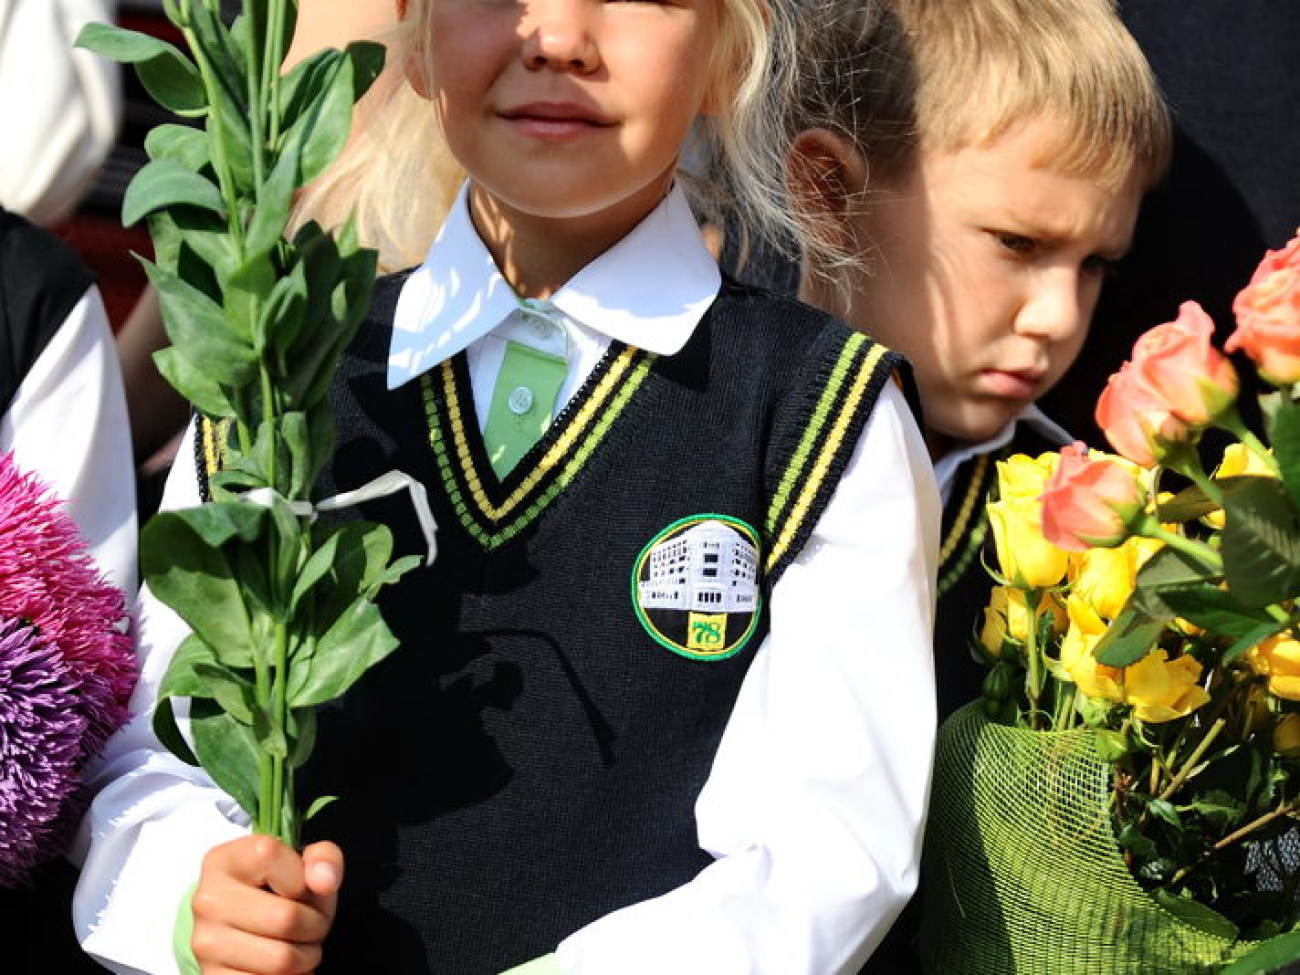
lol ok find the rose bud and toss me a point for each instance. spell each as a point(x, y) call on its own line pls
point(1139, 425)
point(1268, 316)
point(1180, 367)
point(1090, 502)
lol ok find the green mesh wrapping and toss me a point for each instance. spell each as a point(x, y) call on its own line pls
point(1021, 872)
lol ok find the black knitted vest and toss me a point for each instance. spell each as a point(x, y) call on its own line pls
point(41, 280)
point(529, 759)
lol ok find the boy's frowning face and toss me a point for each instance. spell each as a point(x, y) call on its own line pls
point(987, 267)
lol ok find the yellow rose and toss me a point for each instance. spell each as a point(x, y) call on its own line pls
point(1278, 659)
point(1286, 736)
point(1006, 618)
point(1086, 628)
point(1026, 557)
point(1023, 477)
point(1105, 576)
point(1161, 689)
point(1238, 460)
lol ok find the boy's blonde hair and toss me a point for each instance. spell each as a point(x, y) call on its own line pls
point(899, 76)
point(401, 178)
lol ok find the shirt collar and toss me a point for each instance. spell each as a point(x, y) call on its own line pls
point(649, 290)
point(946, 469)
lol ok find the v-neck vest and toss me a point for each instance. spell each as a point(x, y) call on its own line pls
point(529, 759)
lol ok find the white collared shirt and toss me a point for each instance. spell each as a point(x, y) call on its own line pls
point(814, 806)
point(67, 425)
point(945, 469)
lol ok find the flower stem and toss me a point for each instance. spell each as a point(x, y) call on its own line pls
point(1190, 765)
point(1283, 809)
point(1233, 423)
point(1198, 552)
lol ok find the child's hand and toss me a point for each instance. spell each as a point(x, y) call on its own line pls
point(262, 908)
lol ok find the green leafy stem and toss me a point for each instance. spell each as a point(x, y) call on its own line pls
point(280, 605)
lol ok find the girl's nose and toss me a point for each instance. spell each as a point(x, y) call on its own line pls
point(561, 37)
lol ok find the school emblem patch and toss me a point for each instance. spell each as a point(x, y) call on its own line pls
point(695, 586)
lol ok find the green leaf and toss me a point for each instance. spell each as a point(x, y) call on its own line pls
point(1215, 610)
point(182, 559)
point(318, 109)
point(167, 74)
point(362, 554)
point(1249, 639)
point(1268, 957)
point(234, 693)
point(1188, 504)
point(195, 384)
point(183, 144)
point(198, 326)
point(228, 122)
point(302, 722)
point(246, 287)
point(270, 739)
point(274, 201)
point(368, 59)
point(1129, 638)
point(358, 640)
point(1196, 914)
point(195, 245)
point(168, 732)
point(1169, 570)
point(1286, 446)
point(166, 183)
point(229, 753)
point(1261, 541)
point(320, 803)
point(180, 680)
point(1165, 810)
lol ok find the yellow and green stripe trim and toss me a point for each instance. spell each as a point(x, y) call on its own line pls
point(965, 536)
point(448, 411)
point(855, 379)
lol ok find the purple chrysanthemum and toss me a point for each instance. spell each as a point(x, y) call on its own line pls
point(41, 733)
point(65, 674)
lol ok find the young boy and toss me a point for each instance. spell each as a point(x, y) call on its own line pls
point(971, 190)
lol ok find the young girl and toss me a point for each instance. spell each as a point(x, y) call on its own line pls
point(664, 700)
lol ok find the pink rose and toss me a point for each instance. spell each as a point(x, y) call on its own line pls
point(1180, 366)
point(1090, 502)
point(1268, 316)
point(1138, 424)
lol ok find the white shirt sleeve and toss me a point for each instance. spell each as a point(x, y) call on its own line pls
point(154, 817)
point(67, 425)
point(60, 105)
point(815, 804)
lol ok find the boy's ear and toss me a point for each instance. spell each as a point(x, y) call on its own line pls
point(825, 176)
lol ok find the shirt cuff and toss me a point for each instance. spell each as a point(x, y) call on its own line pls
point(181, 931)
point(546, 965)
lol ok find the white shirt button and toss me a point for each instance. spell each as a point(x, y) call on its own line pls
point(520, 400)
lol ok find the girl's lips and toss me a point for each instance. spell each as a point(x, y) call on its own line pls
point(552, 128)
point(1011, 385)
point(554, 120)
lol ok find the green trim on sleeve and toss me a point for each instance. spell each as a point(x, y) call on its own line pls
point(181, 931)
point(546, 965)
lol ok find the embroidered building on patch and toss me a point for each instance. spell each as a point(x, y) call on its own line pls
point(709, 568)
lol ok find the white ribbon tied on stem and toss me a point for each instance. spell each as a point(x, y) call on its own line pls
point(380, 487)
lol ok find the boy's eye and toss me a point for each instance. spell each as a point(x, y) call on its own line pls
point(1015, 243)
point(1096, 264)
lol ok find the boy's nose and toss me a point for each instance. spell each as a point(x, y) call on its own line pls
point(1056, 309)
point(560, 38)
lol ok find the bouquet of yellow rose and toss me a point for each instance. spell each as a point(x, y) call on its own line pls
point(1142, 707)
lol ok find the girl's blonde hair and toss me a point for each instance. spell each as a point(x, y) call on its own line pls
point(399, 177)
point(898, 76)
